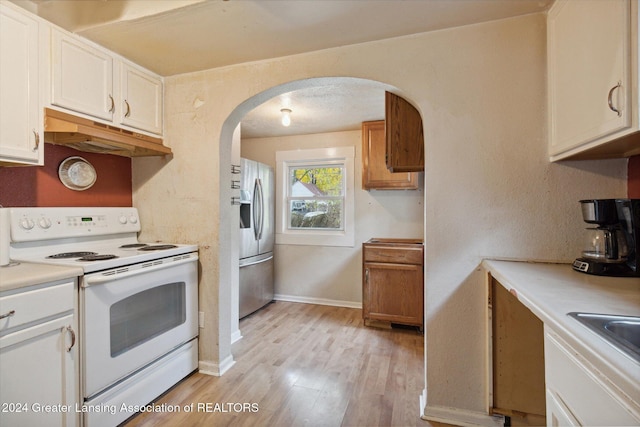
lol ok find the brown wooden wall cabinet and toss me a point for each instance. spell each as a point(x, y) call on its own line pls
point(517, 358)
point(393, 281)
point(405, 140)
point(375, 174)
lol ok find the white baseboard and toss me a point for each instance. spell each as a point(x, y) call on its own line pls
point(459, 417)
point(423, 402)
point(236, 336)
point(318, 301)
point(216, 369)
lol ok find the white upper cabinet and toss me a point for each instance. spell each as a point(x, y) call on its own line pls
point(82, 77)
point(95, 82)
point(141, 94)
point(21, 117)
point(592, 78)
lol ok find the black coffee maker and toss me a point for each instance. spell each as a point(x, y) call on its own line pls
point(612, 247)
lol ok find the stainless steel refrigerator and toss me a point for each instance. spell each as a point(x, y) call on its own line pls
point(257, 227)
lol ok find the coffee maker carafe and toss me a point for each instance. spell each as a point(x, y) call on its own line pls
point(611, 246)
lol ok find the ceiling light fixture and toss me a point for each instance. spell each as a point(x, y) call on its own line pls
point(286, 116)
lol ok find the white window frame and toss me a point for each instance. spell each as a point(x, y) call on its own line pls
point(342, 156)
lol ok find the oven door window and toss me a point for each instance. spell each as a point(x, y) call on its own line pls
point(145, 315)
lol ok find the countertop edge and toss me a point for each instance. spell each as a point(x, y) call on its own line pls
point(24, 274)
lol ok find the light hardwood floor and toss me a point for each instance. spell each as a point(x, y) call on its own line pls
point(307, 365)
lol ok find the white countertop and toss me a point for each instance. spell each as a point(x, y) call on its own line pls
point(27, 274)
point(551, 291)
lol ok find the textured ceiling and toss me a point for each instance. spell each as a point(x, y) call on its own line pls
point(177, 36)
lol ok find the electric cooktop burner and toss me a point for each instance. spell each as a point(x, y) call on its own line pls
point(95, 257)
point(134, 246)
point(65, 255)
point(157, 247)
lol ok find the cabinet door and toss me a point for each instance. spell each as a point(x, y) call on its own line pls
point(393, 292)
point(589, 73)
point(375, 174)
point(37, 369)
point(405, 140)
point(557, 414)
point(82, 77)
point(581, 389)
point(141, 98)
point(21, 120)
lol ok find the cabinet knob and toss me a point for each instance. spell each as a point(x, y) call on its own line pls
point(610, 99)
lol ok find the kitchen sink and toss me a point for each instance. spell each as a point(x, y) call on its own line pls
point(623, 332)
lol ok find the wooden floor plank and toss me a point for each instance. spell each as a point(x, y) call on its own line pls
point(307, 365)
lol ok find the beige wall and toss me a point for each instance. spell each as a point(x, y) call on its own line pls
point(333, 275)
point(490, 191)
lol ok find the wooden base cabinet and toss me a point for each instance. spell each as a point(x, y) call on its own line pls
point(393, 281)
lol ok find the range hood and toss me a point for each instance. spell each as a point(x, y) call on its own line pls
point(95, 137)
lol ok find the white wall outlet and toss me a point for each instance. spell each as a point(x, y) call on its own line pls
point(201, 319)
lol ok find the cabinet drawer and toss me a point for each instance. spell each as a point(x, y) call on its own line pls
point(409, 254)
point(587, 398)
point(35, 304)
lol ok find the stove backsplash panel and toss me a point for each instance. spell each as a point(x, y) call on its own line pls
point(39, 186)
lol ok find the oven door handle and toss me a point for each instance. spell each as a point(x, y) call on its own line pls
point(103, 278)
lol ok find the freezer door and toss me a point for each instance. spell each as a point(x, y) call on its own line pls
point(268, 196)
point(256, 284)
point(248, 231)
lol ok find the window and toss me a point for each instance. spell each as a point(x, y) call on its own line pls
point(315, 197)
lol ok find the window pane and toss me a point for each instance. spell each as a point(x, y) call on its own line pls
point(316, 181)
point(310, 213)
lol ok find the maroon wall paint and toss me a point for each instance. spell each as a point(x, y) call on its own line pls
point(39, 186)
point(633, 187)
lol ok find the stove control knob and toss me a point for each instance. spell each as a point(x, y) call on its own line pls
point(133, 219)
point(122, 219)
point(44, 223)
point(27, 223)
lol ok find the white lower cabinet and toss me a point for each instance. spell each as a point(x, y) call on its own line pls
point(577, 394)
point(557, 412)
point(38, 356)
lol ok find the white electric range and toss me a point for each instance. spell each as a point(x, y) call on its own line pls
point(138, 301)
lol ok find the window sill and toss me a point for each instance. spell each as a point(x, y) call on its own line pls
point(317, 238)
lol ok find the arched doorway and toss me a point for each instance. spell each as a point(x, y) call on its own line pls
point(229, 155)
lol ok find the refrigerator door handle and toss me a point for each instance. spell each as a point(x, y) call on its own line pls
point(261, 198)
point(255, 210)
